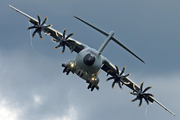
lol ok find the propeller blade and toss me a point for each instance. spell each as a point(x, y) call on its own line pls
point(117, 69)
point(63, 49)
point(113, 84)
point(31, 27)
point(44, 21)
point(69, 35)
point(127, 75)
point(54, 40)
point(57, 47)
point(110, 78)
point(47, 26)
point(122, 70)
point(39, 19)
point(64, 32)
point(141, 87)
point(120, 85)
point(134, 100)
point(40, 35)
point(148, 94)
point(34, 33)
point(133, 93)
point(140, 102)
point(146, 100)
point(147, 89)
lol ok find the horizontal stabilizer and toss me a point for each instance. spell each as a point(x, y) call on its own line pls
point(112, 38)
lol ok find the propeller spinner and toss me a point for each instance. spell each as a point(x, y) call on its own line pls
point(39, 27)
point(118, 77)
point(62, 40)
point(140, 94)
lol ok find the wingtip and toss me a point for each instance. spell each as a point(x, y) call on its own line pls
point(10, 6)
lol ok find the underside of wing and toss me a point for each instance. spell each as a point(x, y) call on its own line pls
point(109, 68)
point(71, 43)
point(112, 70)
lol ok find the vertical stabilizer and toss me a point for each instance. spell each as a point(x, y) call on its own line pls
point(106, 42)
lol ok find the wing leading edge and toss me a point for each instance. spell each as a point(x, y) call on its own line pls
point(73, 44)
point(108, 66)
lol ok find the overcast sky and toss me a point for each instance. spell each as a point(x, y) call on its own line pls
point(33, 86)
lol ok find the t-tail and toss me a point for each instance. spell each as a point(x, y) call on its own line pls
point(109, 37)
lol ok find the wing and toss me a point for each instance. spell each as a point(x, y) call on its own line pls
point(108, 66)
point(73, 44)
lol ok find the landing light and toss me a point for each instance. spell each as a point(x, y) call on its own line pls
point(93, 78)
point(72, 65)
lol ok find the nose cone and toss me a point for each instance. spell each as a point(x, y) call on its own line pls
point(89, 60)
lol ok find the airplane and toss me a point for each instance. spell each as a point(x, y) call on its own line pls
point(89, 62)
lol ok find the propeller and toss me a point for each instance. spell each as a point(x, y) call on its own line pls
point(140, 94)
point(39, 27)
point(118, 77)
point(63, 40)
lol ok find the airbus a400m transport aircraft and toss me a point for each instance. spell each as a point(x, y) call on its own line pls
point(89, 61)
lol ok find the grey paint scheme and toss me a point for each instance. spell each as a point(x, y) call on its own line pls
point(100, 63)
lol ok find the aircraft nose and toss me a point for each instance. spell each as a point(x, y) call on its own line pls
point(89, 60)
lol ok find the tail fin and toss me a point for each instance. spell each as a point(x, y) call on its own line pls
point(110, 36)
